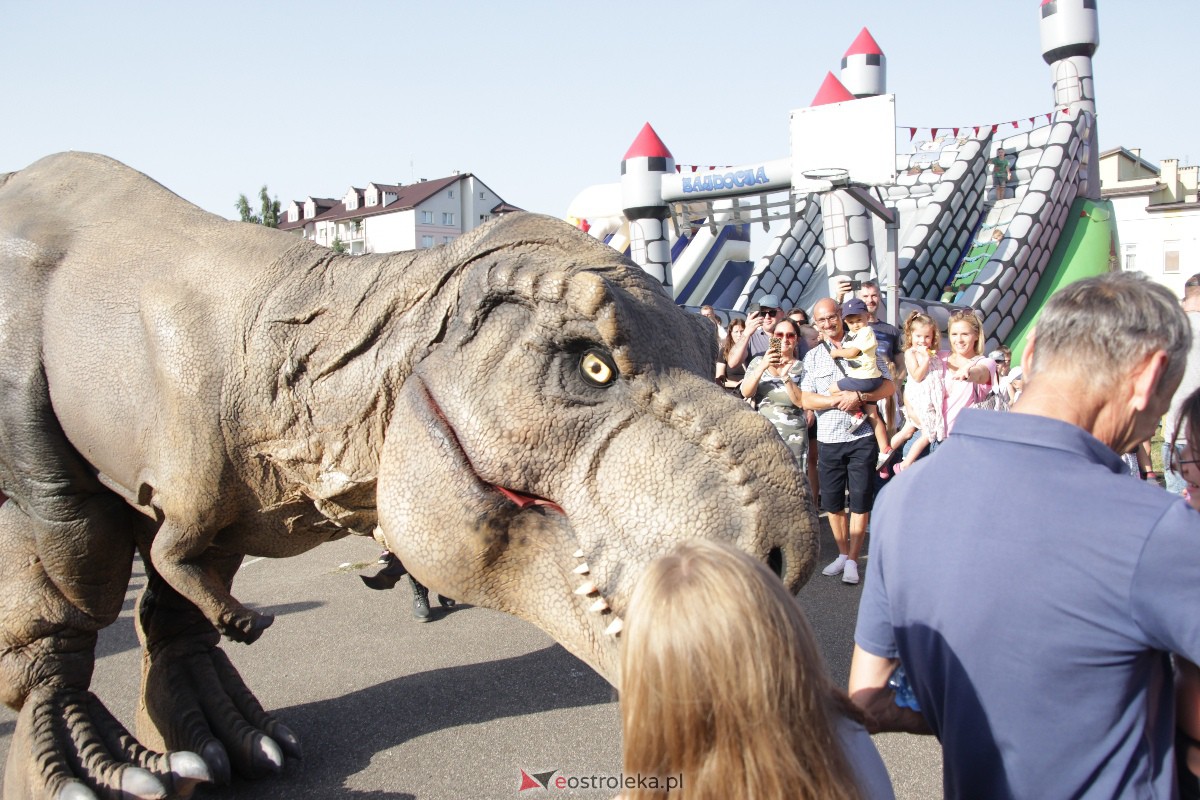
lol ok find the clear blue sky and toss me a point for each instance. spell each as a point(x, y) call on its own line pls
point(539, 99)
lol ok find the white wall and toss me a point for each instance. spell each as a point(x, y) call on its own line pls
point(388, 233)
point(1148, 231)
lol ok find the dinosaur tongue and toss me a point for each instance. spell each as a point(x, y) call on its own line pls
point(523, 501)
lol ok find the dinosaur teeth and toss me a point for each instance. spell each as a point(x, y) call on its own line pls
point(582, 569)
point(598, 606)
point(586, 588)
point(579, 553)
point(615, 627)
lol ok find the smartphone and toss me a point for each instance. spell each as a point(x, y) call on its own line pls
point(855, 285)
point(776, 345)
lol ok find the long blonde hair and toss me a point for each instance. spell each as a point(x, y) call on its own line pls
point(722, 683)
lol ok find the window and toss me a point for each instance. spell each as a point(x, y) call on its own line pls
point(1171, 257)
point(450, 194)
point(426, 241)
point(484, 217)
point(1130, 258)
point(427, 217)
point(447, 239)
point(481, 197)
point(447, 217)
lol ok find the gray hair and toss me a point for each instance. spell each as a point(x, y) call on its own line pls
point(1107, 325)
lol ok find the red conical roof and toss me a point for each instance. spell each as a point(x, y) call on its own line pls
point(648, 145)
point(864, 44)
point(831, 91)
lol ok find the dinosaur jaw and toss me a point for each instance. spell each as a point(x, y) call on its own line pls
point(487, 544)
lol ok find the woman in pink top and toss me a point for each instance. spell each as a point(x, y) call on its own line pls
point(969, 375)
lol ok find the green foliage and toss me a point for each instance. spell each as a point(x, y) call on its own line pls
point(338, 246)
point(268, 209)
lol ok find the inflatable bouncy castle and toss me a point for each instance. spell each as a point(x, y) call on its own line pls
point(974, 218)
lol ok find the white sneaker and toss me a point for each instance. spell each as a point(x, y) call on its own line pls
point(850, 573)
point(836, 567)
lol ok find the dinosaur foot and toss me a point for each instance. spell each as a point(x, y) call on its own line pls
point(197, 701)
point(243, 625)
point(67, 746)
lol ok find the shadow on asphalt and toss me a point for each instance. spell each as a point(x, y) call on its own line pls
point(121, 635)
point(342, 735)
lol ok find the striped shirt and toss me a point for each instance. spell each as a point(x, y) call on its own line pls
point(820, 375)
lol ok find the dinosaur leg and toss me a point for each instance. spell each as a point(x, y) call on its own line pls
point(66, 744)
point(192, 696)
point(183, 555)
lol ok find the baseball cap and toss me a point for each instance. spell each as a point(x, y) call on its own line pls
point(854, 306)
point(765, 301)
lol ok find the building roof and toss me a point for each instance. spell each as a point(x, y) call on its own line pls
point(1132, 156)
point(407, 197)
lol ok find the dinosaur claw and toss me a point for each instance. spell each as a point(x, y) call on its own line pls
point(246, 626)
point(217, 759)
point(74, 790)
point(187, 771)
point(138, 783)
point(267, 757)
point(288, 742)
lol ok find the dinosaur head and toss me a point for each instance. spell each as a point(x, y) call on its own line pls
point(563, 429)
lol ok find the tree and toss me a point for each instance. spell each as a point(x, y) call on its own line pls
point(338, 246)
point(268, 209)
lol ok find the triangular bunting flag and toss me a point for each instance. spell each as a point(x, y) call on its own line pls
point(994, 127)
point(933, 133)
point(912, 134)
point(1049, 117)
point(955, 131)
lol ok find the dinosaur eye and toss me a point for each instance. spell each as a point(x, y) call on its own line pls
point(597, 368)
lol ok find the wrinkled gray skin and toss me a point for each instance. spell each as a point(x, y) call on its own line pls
point(199, 390)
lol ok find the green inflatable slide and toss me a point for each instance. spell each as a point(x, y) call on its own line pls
point(1088, 239)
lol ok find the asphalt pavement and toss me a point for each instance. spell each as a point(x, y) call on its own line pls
point(390, 709)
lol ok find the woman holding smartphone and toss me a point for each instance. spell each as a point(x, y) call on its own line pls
point(773, 382)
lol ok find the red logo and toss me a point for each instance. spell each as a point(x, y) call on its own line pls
point(538, 780)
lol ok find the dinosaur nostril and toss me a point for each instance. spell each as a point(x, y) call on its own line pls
point(775, 561)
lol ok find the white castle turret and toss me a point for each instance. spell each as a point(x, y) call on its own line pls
point(1070, 34)
point(642, 171)
point(864, 67)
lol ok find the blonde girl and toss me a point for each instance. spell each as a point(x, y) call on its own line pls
point(723, 687)
point(924, 389)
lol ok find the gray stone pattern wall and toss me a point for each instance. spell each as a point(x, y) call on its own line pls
point(1048, 167)
point(788, 268)
point(847, 235)
point(947, 201)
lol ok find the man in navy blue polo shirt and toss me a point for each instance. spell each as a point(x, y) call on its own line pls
point(1036, 640)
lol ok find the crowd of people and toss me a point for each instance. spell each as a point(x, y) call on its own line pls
point(1048, 648)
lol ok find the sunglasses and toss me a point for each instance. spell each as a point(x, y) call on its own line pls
point(1178, 461)
point(785, 336)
